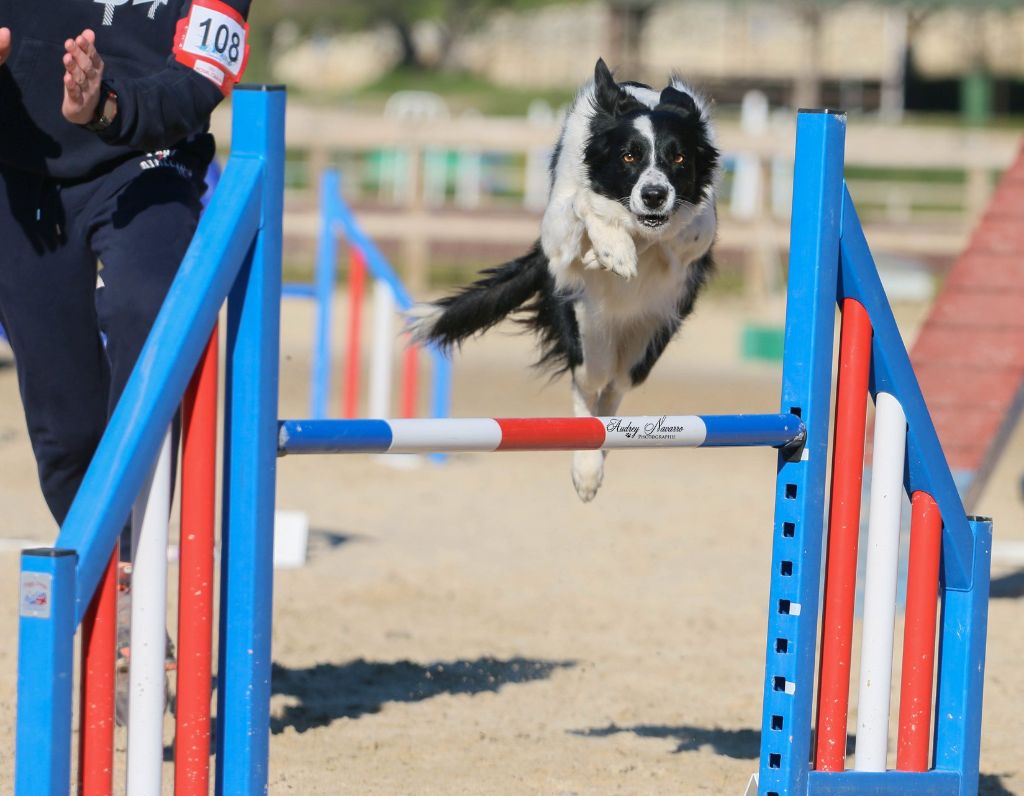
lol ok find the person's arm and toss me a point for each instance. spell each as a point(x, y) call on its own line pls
point(157, 110)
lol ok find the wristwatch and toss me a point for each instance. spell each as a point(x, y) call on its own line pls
point(106, 110)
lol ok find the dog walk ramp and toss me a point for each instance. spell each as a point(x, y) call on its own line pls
point(969, 356)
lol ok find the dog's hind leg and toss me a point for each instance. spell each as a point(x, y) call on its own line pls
point(587, 466)
point(590, 380)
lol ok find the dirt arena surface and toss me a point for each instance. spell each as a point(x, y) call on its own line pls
point(473, 628)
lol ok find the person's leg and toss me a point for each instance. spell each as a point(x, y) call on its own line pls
point(47, 283)
point(139, 228)
point(139, 231)
point(139, 235)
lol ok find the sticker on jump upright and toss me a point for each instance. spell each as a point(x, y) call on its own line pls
point(36, 589)
point(654, 432)
point(214, 41)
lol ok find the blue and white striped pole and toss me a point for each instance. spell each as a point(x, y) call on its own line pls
point(431, 435)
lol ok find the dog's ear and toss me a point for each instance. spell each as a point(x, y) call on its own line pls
point(609, 96)
point(672, 99)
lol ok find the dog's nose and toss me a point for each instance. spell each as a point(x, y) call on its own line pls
point(653, 196)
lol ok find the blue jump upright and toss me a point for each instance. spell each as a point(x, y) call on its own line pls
point(236, 250)
point(236, 255)
point(829, 262)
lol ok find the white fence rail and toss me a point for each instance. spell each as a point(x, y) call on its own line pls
point(926, 215)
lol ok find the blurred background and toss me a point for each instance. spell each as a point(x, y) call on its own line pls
point(441, 115)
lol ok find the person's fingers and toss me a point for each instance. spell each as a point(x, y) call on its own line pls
point(86, 43)
point(82, 58)
point(72, 90)
point(72, 68)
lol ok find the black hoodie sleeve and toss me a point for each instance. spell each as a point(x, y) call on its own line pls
point(158, 110)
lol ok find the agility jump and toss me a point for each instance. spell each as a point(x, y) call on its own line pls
point(236, 255)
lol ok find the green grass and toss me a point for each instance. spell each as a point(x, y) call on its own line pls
point(938, 176)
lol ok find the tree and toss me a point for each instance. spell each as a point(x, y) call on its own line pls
point(455, 17)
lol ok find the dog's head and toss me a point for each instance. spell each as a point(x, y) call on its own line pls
point(652, 152)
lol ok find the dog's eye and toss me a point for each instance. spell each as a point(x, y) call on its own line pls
point(678, 160)
point(629, 157)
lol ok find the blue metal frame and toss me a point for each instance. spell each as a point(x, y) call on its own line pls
point(826, 232)
point(337, 218)
point(250, 464)
point(800, 485)
point(961, 677)
point(892, 372)
point(46, 651)
point(236, 252)
point(242, 222)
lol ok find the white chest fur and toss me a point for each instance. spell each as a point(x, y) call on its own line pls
point(662, 273)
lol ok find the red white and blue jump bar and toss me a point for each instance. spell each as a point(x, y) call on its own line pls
point(442, 435)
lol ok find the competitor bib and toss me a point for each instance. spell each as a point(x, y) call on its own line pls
point(214, 41)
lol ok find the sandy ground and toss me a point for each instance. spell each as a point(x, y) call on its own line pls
point(474, 629)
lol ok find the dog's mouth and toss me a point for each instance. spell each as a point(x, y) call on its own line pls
point(653, 220)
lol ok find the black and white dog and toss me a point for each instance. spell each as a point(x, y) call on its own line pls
point(625, 247)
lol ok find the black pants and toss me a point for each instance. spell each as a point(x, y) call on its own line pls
point(77, 260)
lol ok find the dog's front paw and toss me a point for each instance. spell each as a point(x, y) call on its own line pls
point(621, 263)
point(590, 261)
point(587, 473)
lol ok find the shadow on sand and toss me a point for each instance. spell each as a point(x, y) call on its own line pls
point(330, 691)
point(992, 785)
point(742, 744)
point(1009, 586)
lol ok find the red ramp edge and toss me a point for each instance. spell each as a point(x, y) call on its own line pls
point(970, 352)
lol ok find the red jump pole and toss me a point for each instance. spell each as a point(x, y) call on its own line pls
point(410, 373)
point(195, 584)
point(356, 281)
point(96, 714)
point(919, 635)
point(843, 530)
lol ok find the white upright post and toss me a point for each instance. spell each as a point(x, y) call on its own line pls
point(883, 549)
point(148, 631)
point(382, 352)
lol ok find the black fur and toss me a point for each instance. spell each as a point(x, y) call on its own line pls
point(523, 286)
point(678, 129)
point(609, 97)
point(696, 278)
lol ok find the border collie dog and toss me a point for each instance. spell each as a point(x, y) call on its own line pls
point(624, 249)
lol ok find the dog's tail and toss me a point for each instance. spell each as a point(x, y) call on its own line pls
point(479, 306)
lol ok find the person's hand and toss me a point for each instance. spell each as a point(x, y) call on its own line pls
point(5, 44)
point(83, 71)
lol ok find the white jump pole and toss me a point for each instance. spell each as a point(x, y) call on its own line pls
point(883, 547)
point(148, 632)
point(383, 348)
